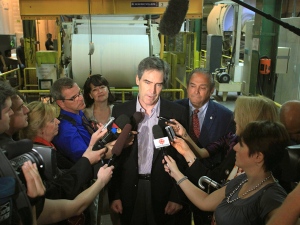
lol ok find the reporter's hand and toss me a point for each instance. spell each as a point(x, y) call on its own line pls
point(171, 168)
point(116, 206)
point(130, 138)
point(34, 183)
point(172, 208)
point(99, 133)
point(94, 156)
point(105, 173)
point(178, 128)
point(109, 147)
point(181, 146)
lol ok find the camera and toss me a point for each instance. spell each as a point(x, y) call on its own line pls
point(44, 156)
point(32, 156)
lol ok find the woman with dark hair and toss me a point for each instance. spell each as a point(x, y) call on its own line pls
point(252, 197)
point(98, 99)
point(99, 104)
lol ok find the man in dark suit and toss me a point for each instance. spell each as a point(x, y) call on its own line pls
point(141, 191)
point(215, 121)
point(289, 117)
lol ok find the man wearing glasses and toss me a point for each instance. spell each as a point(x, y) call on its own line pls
point(74, 130)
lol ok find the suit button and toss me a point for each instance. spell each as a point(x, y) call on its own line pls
point(227, 172)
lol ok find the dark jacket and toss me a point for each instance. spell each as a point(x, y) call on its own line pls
point(125, 177)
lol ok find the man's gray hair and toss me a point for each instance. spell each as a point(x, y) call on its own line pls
point(59, 85)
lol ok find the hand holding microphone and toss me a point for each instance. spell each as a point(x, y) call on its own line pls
point(112, 132)
point(177, 127)
point(120, 142)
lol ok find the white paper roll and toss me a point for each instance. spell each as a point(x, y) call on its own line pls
point(116, 57)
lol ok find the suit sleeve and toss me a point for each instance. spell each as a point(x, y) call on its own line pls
point(177, 195)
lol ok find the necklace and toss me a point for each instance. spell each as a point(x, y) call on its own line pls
point(247, 192)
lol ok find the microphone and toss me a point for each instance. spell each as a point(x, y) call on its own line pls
point(17, 148)
point(113, 132)
point(118, 147)
point(136, 118)
point(160, 142)
point(173, 17)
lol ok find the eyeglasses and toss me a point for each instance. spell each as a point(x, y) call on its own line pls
point(74, 98)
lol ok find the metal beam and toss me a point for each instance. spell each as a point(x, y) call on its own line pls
point(46, 9)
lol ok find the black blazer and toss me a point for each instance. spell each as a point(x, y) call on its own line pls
point(125, 177)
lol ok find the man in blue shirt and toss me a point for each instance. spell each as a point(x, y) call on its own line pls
point(73, 138)
point(74, 130)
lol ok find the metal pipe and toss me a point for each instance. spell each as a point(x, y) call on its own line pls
point(209, 181)
point(111, 21)
point(294, 9)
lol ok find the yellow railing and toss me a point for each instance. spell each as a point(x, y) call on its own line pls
point(26, 70)
point(203, 59)
point(123, 91)
point(4, 75)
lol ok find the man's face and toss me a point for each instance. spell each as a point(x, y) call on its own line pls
point(6, 113)
point(19, 119)
point(294, 132)
point(73, 100)
point(199, 90)
point(150, 87)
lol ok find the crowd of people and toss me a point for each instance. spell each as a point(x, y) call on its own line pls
point(240, 151)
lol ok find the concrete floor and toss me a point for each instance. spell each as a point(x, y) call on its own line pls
point(230, 101)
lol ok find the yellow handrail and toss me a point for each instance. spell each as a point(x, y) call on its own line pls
point(25, 78)
point(12, 71)
point(122, 90)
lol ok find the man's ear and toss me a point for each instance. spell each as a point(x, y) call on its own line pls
point(212, 91)
point(137, 80)
point(60, 103)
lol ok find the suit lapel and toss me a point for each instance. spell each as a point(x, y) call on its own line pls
point(208, 121)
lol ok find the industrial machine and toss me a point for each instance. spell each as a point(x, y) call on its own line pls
point(106, 37)
point(111, 46)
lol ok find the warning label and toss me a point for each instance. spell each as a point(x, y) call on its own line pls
point(149, 4)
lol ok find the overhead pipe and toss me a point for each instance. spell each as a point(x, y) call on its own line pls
point(291, 28)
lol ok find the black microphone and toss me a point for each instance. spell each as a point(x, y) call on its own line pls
point(173, 17)
point(17, 148)
point(113, 132)
point(160, 141)
point(121, 140)
point(136, 118)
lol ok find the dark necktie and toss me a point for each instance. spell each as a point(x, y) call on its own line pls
point(87, 125)
point(195, 131)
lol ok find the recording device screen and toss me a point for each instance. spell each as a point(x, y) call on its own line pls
point(170, 132)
